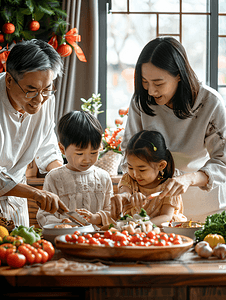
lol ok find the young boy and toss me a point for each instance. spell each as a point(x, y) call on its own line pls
point(79, 184)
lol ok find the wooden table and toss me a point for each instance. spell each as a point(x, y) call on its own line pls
point(186, 278)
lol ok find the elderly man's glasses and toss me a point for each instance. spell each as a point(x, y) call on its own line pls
point(33, 94)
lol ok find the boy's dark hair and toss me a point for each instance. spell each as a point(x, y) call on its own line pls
point(167, 54)
point(79, 128)
point(150, 146)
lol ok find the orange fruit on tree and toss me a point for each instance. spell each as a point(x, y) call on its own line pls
point(1, 38)
point(8, 28)
point(64, 50)
point(34, 25)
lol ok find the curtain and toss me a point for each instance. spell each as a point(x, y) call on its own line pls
point(80, 79)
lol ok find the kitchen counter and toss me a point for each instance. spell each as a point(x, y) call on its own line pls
point(188, 277)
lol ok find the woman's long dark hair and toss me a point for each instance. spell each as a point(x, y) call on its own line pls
point(150, 146)
point(168, 54)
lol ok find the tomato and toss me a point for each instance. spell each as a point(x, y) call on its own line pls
point(74, 238)
point(172, 235)
point(136, 238)
point(164, 236)
point(177, 242)
point(45, 255)
point(68, 238)
point(16, 260)
point(161, 242)
point(48, 247)
point(77, 232)
point(38, 257)
point(81, 239)
point(5, 250)
point(125, 232)
point(96, 235)
point(146, 239)
point(107, 234)
point(88, 236)
point(94, 241)
point(151, 234)
point(30, 257)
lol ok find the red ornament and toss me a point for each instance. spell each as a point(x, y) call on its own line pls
point(64, 50)
point(1, 38)
point(34, 25)
point(8, 28)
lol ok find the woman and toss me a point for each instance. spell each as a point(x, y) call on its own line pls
point(170, 99)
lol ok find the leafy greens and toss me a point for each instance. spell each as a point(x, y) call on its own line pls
point(214, 224)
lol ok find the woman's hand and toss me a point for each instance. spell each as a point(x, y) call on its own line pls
point(94, 219)
point(137, 200)
point(179, 185)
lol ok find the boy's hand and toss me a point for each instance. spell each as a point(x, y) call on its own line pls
point(66, 220)
point(94, 219)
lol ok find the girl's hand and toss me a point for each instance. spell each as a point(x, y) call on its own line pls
point(117, 202)
point(137, 200)
point(94, 219)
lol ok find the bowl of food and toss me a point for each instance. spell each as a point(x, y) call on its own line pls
point(187, 228)
point(50, 231)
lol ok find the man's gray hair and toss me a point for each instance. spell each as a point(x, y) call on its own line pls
point(31, 56)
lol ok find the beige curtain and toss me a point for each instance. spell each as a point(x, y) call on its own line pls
point(80, 79)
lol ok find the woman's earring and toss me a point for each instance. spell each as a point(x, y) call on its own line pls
point(161, 173)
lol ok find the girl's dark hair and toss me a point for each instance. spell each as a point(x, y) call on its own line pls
point(168, 54)
point(31, 56)
point(79, 128)
point(150, 146)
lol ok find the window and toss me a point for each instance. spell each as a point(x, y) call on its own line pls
point(133, 23)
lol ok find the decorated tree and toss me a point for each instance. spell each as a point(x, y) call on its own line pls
point(40, 19)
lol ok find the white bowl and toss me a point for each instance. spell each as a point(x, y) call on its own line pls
point(49, 232)
point(189, 232)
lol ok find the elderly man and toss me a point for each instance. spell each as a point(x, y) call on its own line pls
point(27, 105)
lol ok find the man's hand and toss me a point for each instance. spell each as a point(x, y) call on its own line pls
point(49, 202)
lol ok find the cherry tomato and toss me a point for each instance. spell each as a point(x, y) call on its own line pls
point(96, 235)
point(88, 236)
point(164, 236)
point(107, 234)
point(151, 234)
point(81, 239)
point(77, 232)
point(68, 238)
point(94, 241)
point(16, 260)
point(125, 232)
point(161, 242)
point(74, 238)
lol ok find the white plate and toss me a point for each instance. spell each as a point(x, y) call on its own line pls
point(189, 232)
point(49, 232)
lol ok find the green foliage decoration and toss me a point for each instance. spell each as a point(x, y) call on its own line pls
point(20, 13)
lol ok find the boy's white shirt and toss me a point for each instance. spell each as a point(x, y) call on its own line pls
point(91, 190)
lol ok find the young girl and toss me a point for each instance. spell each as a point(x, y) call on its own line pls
point(149, 165)
point(79, 184)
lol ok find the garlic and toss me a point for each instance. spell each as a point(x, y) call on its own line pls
point(220, 251)
point(203, 249)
